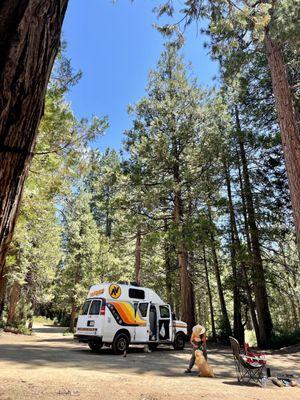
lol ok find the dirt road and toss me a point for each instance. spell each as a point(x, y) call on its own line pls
point(48, 365)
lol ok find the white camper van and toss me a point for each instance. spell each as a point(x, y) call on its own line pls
point(120, 314)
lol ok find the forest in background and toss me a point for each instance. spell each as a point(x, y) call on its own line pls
point(196, 206)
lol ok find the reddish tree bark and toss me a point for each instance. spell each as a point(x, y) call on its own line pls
point(30, 37)
point(287, 117)
point(74, 312)
point(13, 302)
point(2, 290)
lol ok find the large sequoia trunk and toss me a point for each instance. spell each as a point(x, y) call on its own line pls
point(287, 116)
point(30, 36)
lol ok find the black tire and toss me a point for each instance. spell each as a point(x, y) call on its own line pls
point(95, 346)
point(179, 341)
point(120, 343)
point(152, 346)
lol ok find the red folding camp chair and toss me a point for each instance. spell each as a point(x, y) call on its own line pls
point(248, 368)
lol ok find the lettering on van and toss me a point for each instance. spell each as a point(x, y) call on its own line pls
point(96, 293)
point(114, 291)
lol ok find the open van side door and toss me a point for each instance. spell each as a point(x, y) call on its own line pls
point(165, 327)
point(142, 328)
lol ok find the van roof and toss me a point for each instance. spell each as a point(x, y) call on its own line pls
point(116, 291)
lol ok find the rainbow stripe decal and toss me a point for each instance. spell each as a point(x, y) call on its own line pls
point(125, 314)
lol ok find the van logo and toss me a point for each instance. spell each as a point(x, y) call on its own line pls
point(115, 291)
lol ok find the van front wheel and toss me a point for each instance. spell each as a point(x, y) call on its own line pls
point(95, 346)
point(120, 343)
point(179, 341)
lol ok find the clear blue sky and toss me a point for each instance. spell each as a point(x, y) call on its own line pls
point(115, 45)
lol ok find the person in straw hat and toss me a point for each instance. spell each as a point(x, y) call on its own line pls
point(198, 342)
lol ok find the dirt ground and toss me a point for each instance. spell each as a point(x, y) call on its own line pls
point(48, 365)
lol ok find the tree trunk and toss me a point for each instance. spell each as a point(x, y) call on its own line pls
point(3, 281)
point(30, 37)
point(247, 233)
point(73, 317)
point(225, 320)
point(168, 266)
point(259, 281)
point(292, 292)
point(243, 266)
point(238, 328)
point(14, 297)
point(186, 286)
point(138, 251)
point(289, 128)
point(211, 307)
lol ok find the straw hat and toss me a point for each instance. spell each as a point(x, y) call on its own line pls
point(199, 330)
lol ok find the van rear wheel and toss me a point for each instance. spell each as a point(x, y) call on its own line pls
point(179, 341)
point(95, 346)
point(120, 343)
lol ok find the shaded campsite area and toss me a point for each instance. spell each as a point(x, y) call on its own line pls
point(48, 365)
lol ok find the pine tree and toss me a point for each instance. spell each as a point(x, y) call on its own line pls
point(80, 268)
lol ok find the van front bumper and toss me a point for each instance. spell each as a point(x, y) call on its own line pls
point(87, 338)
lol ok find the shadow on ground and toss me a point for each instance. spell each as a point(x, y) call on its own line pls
point(59, 351)
point(63, 353)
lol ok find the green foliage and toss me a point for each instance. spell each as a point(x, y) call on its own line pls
point(24, 330)
point(82, 210)
point(284, 338)
point(80, 265)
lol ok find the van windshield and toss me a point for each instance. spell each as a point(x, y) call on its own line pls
point(85, 307)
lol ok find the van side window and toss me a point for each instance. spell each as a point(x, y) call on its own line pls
point(95, 307)
point(85, 307)
point(143, 307)
point(136, 294)
point(164, 312)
